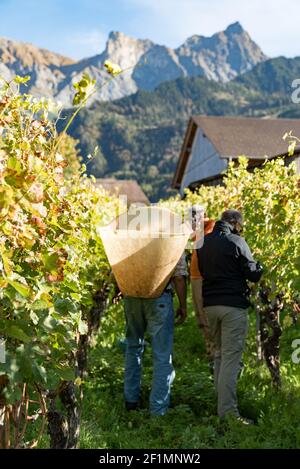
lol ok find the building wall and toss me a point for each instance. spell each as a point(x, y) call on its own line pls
point(298, 165)
point(204, 161)
point(297, 161)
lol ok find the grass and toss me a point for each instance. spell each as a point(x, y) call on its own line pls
point(192, 421)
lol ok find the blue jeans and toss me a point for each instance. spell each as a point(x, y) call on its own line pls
point(157, 317)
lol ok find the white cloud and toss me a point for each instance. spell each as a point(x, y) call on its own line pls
point(273, 24)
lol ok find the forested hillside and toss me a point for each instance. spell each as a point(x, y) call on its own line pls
point(140, 136)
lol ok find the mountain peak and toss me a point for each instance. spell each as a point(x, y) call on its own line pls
point(125, 51)
point(119, 36)
point(235, 28)
point(116, 35)
point(220, 57)
point(22, 57)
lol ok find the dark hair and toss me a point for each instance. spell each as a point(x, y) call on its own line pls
point(232, 216)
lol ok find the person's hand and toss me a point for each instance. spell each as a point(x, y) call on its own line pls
point(181, 314)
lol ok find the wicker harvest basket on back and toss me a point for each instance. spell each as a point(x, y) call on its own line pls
point(143, 248)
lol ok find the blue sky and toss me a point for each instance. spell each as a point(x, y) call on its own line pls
point(79, 28)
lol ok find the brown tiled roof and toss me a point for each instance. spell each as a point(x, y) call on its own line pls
point(255, 138)
point(236, 136)
point(126, 187)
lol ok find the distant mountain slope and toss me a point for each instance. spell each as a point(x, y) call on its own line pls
point(45, 68)
point(221, 57)
point(140, 136)
point(273, 76)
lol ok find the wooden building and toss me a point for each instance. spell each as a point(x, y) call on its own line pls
point(131, 189)
point(211, 142)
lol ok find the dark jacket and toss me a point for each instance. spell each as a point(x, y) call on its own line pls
point(226, 263)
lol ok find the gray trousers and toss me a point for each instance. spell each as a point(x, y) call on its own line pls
point(228, 328)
